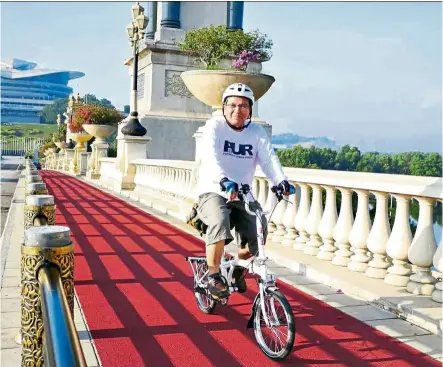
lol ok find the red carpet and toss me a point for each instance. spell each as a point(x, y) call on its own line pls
point(135, 288)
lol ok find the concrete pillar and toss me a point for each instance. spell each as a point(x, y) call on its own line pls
point(170, 14)
point(151, 12)
point(235, 15)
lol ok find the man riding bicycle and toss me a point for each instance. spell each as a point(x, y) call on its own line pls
point(232, 148)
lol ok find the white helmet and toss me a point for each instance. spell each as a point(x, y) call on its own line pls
point(239, 90)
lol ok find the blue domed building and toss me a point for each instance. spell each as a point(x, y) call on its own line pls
point(26, 90)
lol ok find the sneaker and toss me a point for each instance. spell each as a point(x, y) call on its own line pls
point(217, 286)
point(240, 280)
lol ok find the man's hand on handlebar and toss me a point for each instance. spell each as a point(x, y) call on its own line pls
point(286, 188)
point(230, 187)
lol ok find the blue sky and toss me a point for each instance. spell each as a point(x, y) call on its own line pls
point(367, 74)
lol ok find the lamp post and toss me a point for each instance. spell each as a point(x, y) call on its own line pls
point(136, 31)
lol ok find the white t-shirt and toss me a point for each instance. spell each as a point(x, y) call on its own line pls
point(235, 155)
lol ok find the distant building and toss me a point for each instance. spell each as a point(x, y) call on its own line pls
point(25, 90)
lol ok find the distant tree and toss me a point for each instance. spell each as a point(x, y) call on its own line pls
point(50, 111)
point(350, 159)
point(92, 99)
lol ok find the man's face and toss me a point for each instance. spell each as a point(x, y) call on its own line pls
point(237, 110)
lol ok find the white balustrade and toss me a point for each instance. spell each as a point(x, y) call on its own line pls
point(300, 218)
point(438, 263)
point(399, 243)
point(378, 238)
point(277, 218)
point(422, 250)
point(359, 234)
point(313, 221)
point(327, 225)
point(289, 218)
point(343, 228)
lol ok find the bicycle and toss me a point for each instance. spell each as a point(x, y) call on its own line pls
point(264, 313)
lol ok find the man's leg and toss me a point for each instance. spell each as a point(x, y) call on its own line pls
point(214, 212)
point(214, 253)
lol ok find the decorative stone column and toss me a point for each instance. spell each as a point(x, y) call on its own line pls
point(343, 229)
point(277, 218)
point(301, 217)
point(313, 221)
point(438, 263)
point(289, 218)
point(39, 210)
point(69, 159)
point(170, 14)
point(235, 15)
point(378, 238)
point(151, 13)
point(133, 147)
point(327, 225)
point(359, 234)
point(42, 244)
point(422, 251)
point(399, 243)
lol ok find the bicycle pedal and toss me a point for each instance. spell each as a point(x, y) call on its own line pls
point(200, 290)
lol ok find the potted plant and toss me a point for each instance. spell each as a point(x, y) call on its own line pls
point(99, 121)
point(226, 57)
point(59, 138)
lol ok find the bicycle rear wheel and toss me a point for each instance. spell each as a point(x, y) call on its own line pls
point(277, 339)
point(204, 300)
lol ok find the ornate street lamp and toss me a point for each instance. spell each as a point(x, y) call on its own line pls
point(136, 31)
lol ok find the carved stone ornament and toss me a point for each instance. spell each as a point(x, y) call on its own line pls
point(174, 85)
point(33, 211)
point(31, 310)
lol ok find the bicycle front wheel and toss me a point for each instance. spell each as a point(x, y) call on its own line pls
point(275, 338)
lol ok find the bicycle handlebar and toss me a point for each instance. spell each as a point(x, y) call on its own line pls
point(244, 191)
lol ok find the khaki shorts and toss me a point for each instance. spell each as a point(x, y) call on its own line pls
point(221, 217)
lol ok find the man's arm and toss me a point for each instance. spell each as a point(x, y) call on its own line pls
point(211, 152)
point(268, 160)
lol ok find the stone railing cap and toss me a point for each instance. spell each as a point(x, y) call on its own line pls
point(48, 236)
point(36, 186)
point(34, 178)
point(40, 200)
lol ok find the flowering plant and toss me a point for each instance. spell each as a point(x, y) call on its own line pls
point(241, 63)
point(212, 44)
point(95, 115)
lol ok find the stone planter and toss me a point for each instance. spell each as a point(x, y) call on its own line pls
point(99, 147)
point(101, 132)
point(208, 85)
point(80, 139)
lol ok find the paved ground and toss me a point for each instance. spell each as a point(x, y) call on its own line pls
point(8, 181)
point(134, 289)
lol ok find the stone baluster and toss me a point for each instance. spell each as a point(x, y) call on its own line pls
point(327, 225)
point(262, 191)
point(255, 187)
point(301, 217)
point(378, 238)
point(359, 234)
point(289, 218)
point(399, 243)
point(313, 221)
point(343, 229)
point(270, 199)
point(422, 250)
point(277, 218)
point(438, 263)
